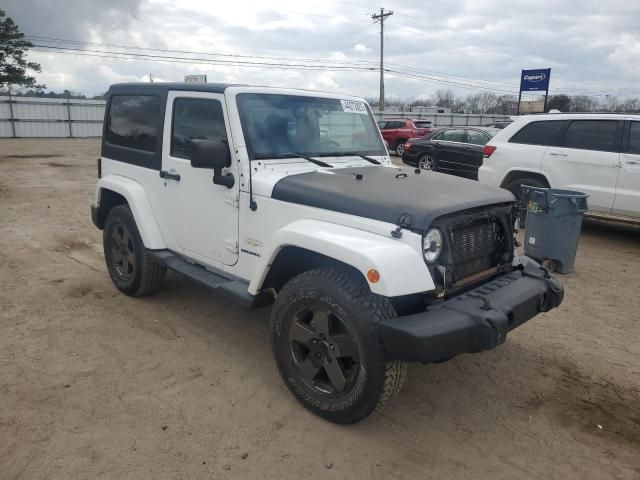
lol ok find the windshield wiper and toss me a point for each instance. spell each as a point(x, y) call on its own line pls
point(357, 154)
point(307, 158)
point(368, 159)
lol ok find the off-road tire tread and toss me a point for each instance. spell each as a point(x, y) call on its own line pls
point(394, 377)
point(376, 307)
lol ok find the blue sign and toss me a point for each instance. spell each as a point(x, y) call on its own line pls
point(535, 80)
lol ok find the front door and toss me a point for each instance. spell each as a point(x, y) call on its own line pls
point(202, 217)
point(628, 188)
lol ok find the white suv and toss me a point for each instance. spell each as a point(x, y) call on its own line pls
point(289, 197)
point(598, 154)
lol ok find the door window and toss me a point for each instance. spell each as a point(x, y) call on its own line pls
point(539, 133)
point(634, 138)
point(477, 138)
point(592, 135)
point(195, 118)
point(452, 136)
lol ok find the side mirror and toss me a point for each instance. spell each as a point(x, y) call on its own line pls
point(213, 154)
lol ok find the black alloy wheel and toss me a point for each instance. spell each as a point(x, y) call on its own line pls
point(122, 252)
point(324, 351)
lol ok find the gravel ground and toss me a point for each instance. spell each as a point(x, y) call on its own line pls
point(182, 384)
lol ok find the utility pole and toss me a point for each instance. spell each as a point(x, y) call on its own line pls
point(381, 18)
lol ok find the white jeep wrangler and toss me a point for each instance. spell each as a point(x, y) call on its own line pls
point(289, 197)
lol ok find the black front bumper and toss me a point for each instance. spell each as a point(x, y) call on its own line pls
point(474, 321)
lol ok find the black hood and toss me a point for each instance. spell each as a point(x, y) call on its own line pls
point(392, 195)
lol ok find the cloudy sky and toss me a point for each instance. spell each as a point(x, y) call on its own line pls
point(592, 47)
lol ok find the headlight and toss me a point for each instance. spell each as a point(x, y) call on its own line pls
point(432, 245)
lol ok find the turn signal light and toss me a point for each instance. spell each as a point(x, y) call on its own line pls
point(488, 150)
point(373, 276)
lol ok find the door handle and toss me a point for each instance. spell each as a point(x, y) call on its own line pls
point(558, 154)
point(169, 176)
point(633, 162)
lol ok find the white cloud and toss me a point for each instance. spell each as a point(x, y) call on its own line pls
point(360, 48)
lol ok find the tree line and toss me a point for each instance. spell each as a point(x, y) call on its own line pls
point(41, 93)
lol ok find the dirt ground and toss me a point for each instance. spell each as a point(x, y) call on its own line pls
point(181, 384)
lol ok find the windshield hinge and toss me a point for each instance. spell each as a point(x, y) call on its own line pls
point(231, 198)
point(231, 245)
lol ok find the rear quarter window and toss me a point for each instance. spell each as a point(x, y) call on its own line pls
point(133, 122)
point(546, 132)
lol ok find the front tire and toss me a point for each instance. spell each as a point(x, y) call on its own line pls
point(400, 147)
point(131, 268)
point(323, 335)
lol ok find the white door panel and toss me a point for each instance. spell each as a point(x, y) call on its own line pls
point(627, 200)
point(588, 171)
point(203, 217)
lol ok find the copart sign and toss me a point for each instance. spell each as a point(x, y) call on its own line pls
point(535, 80)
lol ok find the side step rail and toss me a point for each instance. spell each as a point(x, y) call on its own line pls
point(234, 288)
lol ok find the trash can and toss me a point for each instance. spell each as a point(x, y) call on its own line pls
point(553, 223)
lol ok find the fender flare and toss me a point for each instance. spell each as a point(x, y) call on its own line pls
point(140, 207)
point(400, 265)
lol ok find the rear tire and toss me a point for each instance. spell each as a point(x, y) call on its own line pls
point(400, 147)
point(131, 268)
point(323, 335)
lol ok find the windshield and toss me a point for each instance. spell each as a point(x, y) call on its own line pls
point(274, 125)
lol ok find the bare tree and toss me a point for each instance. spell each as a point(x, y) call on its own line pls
point(582, 103)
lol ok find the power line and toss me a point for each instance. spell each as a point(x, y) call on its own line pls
point(452, 83)
point(278, 62)
point(166, 58)
point(188, 52)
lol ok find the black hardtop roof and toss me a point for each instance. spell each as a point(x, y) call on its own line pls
point(166, 86)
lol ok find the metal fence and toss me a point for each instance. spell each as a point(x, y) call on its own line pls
point(445, 119)
point(50, 117)
point(60, 117)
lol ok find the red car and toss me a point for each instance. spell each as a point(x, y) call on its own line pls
point(398, 131)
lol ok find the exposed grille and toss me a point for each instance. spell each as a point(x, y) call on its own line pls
point(474, 247)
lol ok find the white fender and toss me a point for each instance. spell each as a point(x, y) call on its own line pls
point(401, 266)
point(139, 205)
